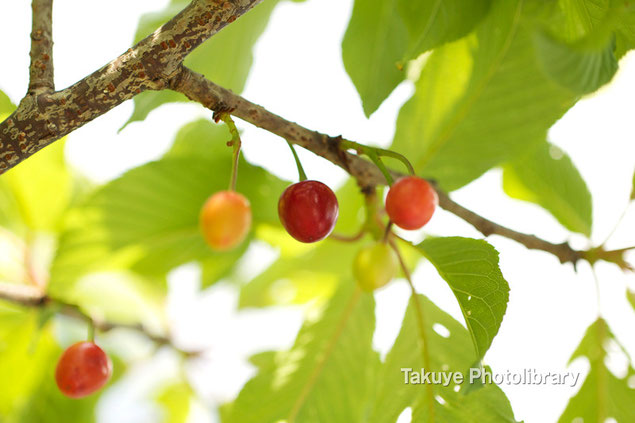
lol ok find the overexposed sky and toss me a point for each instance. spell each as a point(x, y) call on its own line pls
point(298, 73)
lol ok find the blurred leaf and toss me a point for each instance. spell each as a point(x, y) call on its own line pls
point(499, 102)
point(147, 220)
point(328, 375)
point(120, 297)
point(547, 176)
point(579, 67)
point(39, 190)
point(470, 267)
point(633, 190)
point(631, 297)
point(225, 58)
point(23, 358)
point(576, 19)
point(603, 395)
point(373, 48)
point(433, 23)
point(6, 106)
point(449, 348)
point(175, 402)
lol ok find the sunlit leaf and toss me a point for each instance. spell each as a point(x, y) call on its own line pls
point(498, 105)
point(581, 67)
point(547, 176)
point(470, 267)
point(175, 401)
point(39, 189)
point(433, 23)
point(373, 50)
point(603, 395)
point(225, 58)
point(147, 219)
point(320, 378)
point(449, 349)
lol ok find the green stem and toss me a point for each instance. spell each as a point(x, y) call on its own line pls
point(377, 152)
point(91, 331)
point(384, 170)
point(236, 144)
point(301, 173)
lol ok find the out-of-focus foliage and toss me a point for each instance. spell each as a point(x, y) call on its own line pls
point(603, 394)
point(217, 59)
point(490, 77)
point(547, 176)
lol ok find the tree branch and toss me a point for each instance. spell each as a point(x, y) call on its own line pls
point(42, 118)
point(155, 63)
point(41, 69)
point(197, 88)
point(30, 296)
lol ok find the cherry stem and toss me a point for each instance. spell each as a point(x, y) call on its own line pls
point(91, 331)
point(348, 238)
point(301, 173)
point(373, 222)
point(236, 144)
point(387, 232)
point(375, 154)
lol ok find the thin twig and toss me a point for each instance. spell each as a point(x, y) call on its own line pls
point(198, 88)
point(30, 296)
point(41, 69)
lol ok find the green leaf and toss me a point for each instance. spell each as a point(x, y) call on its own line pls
point(630, 295)
point(38, 191)
point(382, 36)
point(547, 176)
point(433, 23)
point(225, 58)
point(6, 106)
point(603, 395)
point(633, 189)
point(470, 267)
point(147, 220)
point(579, 67)
point(327, 376)
point(498, 103)
point(175, 401)
point(373, 48)
point(448, 345)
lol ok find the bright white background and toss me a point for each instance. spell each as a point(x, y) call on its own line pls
point(298, 73)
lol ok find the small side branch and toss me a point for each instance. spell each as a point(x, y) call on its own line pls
point(198, 88)
point(41, 69)
point(30, 296)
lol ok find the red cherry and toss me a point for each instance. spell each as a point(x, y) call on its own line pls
point(225, 220)
point(308, 210)
point(410, 202)
point(83, 369)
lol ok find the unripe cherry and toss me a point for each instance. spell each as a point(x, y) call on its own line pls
point(82, 370)
point(225, 220)
point(410, 202)
point(308, 210)
point(375, 265)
